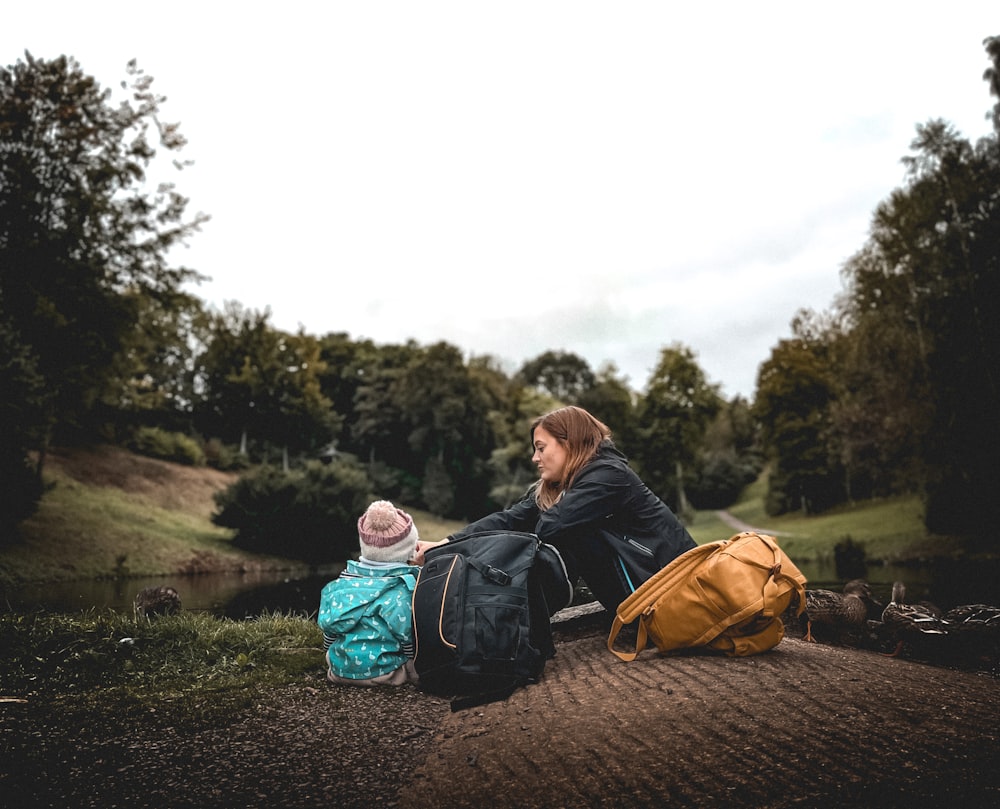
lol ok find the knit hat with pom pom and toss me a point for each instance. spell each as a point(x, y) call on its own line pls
point(387, 534)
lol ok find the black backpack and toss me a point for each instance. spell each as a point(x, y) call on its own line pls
point(481, 611)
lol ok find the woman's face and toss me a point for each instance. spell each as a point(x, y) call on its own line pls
point(549, 456)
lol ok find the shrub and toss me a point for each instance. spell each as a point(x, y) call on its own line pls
point(167, 446)
point(224, 457)
point(308, 514)
point(22, 489)
point(719, 480)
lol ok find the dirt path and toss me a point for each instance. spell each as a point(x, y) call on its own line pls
point(803, 725)
point(738, 525)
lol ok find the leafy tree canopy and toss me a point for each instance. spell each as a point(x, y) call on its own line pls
point(83, 238)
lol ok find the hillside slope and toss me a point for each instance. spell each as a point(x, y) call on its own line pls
point(171, 486)
point(111, 513)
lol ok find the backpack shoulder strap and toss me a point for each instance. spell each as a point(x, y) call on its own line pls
point(665, 580)
point(495, 574)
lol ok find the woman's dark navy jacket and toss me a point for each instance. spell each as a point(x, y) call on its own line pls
point(608, 526)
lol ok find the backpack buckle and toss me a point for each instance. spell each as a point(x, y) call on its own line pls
point(496, 575)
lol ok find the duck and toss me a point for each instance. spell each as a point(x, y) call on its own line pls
point(152, 601)
point(976, 630)
point(921, 624)
point(843, 612)
point(875, 607)
point(975, 616)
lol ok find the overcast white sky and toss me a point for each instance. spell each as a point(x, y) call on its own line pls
point(604, 178)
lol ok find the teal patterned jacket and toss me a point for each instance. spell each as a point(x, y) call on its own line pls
point(366, 618)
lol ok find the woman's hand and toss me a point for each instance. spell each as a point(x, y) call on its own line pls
point(418, 554)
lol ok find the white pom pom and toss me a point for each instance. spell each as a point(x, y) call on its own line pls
point(381, 516)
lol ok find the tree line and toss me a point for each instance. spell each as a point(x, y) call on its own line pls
point(895, 388)
point(892, 391)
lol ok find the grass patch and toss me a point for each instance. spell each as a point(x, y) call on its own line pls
point(205, 669)
point(889, 529)
point(705, 526)
point(431, 527)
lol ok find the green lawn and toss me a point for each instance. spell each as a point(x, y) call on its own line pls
point(888, 529)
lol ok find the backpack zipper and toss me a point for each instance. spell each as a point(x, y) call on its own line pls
point(639, 546)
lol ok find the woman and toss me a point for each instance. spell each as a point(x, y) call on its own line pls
point(588, 502)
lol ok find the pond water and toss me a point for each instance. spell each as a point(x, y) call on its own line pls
point(232, 595)
point(945, 583)
point(246, 595)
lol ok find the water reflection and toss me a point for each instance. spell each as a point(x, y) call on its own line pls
point(946, 583)
point(243, 595)
point(299, 596)
point(233, 595)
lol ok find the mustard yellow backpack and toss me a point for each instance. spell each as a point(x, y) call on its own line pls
point(727, 596)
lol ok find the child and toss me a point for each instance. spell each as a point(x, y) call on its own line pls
point(366, 613)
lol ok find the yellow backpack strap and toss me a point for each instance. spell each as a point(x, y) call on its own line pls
point(779, 573)
point(770, 593)
point(640, 639)
point(661, 582)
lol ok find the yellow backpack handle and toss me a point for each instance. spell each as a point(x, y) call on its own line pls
point(640, 640)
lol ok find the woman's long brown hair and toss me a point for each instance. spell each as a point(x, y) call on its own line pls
point(581, 434)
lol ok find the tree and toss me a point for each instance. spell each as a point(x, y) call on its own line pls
point(561, 374)
point(794, 390)
point(955, 185)
point(992, 76)
point(510, 462)
point(728, 459)
point(83, 240)
point(22, 424)
point(446, 411)
point(345, 364)
point(611, 401)
point(922, 363)
point(379, 431)
point(678, 406)
point(883, 403)
point(235, 340)
point(295, 414)
point(152, 380)
point(262, 383)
